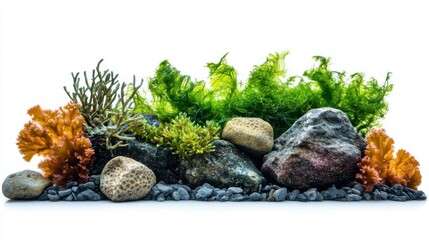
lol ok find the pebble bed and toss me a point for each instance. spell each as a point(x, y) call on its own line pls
point(354, 191)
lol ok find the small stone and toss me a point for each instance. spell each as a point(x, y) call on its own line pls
point(237, 198)
point(311, 194)
point(293, 196)
point(166, 190)
point(353, 197)
point(95, 179)
point(354, 191)
point(124, 179)
point(64, 193)
point(89, 185)
point(421, 195)
point(204, 193)
point(394, 197)
point(224, 198)
point(358, 187)
point(43, 196)
point(160, 198)
point(235, 190)
point(264, 197)
point(74, 196)
point(346, 188)
point(26, 184)
point(69, 198)
point(220, 194)
point(411, 192)
point(254, 135)
point(71, 184)
point(53, 192)
point(302, 197)
point(53, 187)
point(176, 196)
point(255, 196)
point(267, 188)
point(74, 189)
point(184, 195)
point(279, 195)
point(341, 194)
point(397, 189)
point(367, 196)
point(330, 194)
point(380, 195)
point(53, 197)
point(88, 194)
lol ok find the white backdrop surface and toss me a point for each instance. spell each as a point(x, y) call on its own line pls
point(41, 42)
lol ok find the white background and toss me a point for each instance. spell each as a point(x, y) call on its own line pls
point(41, 42)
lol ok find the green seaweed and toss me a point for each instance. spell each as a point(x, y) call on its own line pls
point(185, 138)
point(267, 94)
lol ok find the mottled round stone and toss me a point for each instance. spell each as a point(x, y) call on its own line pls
point(26, 184)
point(124, 179)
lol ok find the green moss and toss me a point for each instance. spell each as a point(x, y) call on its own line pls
point(181, 135)
point(267, 94)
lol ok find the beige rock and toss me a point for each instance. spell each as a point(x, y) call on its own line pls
point(26, 184)
point(253, 134)
point(124, 179)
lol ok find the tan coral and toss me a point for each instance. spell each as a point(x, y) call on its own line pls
point(124, 179)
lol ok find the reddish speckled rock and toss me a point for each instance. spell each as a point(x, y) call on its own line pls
point(320, 149)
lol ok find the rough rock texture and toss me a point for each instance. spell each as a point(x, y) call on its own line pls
point(225, 167)
point(124, 179)
point(252, 134)
point(26, 184)
point(160, 160)
point(320, 149)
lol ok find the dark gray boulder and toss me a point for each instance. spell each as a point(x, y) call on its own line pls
point(226, 167)
point(320, 149)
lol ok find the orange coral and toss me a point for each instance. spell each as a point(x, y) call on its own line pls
point(59, 137)
point(380, 166)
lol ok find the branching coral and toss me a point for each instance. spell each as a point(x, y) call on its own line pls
point(181, 135)
point(380, 166)
point(105, 104)
point(268, 94)
point(59, 137)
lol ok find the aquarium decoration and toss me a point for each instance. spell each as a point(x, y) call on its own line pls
point(272, 138)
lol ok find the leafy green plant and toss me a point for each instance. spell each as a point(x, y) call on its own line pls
point(181, 135)
point(267, 94)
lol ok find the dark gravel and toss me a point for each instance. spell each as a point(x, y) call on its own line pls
point(353, 191)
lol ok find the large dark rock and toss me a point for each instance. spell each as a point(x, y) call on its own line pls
point(320, 149)
point(161, 161)
point(225, 167)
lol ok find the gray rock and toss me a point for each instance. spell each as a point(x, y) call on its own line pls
point(354, 191)
point(26, 184)
point(74, 189)
point(71, 184)
point(279, 195)
point(267, 188)
point(151, 119)
point(319, 197)
point(88, 194)
point(237, 198)
point(367, 196)
point(341, 193)
point(225, 167)
point(302, 197)
point(320, 149)
point(53, 192)
point(394, 197)
point(353, 197)
point(95, 179)
point(53, 197)
point(264, 197)
point(220, 194)
point(64, 193)
point(330, 193)
point(311, 194)
point(380, 195)
point(204, 193)
point(224, 198)
point(160, 198)
point(421, 195)
point(176, 196)
point(184, 195)
point(397, 189)
point(166, 190)
point(293, 196)
point(358, 187)
point(235, 190)
point(69, 198)
point(89, 185)
point(255, 196)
